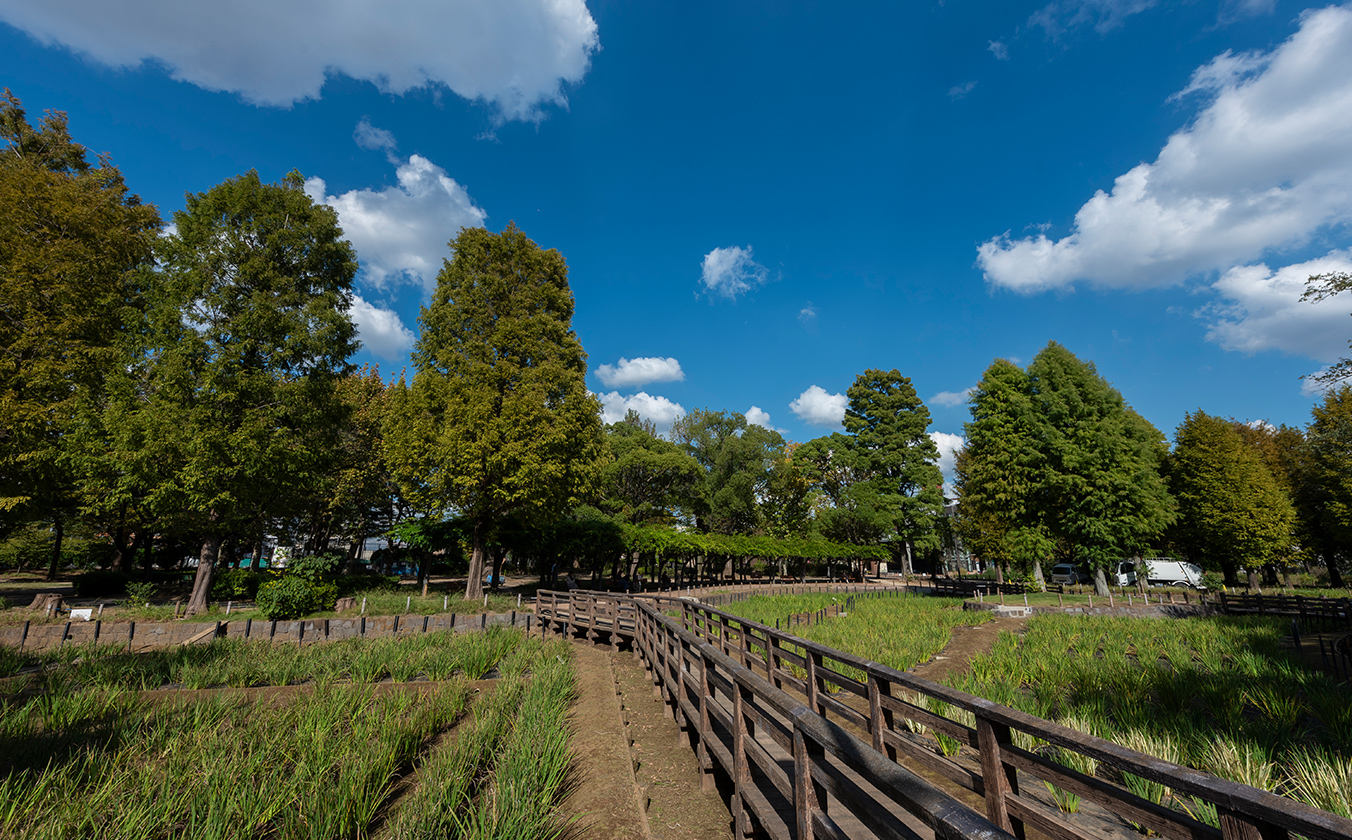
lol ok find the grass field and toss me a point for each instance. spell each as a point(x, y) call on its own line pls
point(81, 760)
point(894, 630)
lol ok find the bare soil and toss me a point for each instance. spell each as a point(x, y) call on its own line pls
point(966, 644)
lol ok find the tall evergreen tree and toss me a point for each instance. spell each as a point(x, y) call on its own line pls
point(1232, 510)
point(75, 251)
point(888, 424)
point(998, 472)
point(498, 420)
point(737, 459)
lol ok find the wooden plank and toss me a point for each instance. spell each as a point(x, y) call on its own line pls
point(1040, 818)
point(861, 804)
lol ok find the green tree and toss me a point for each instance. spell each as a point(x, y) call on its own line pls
point(247, 336)
point(75, 247)
point(1098, 491)
point(1318, 288)
point(1232, 511)
point(998, 472)
point(888, 424)
point(1325, 496)
point(497, 420)
point(648, 479)
point(737, 459)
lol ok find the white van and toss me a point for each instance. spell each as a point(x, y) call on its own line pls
point(1164, 572)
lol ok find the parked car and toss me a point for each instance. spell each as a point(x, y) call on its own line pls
point(1067, 573)
point(1174, 573)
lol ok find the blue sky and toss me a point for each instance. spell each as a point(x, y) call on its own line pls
point(758, 201)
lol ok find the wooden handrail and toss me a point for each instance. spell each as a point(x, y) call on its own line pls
point(707, 651)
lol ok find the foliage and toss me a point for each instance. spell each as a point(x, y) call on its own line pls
point(1325, 496)
point(735, 460)
point(647, 478)
point(498, 418)
point(235, 398)
point(1318, 288)
point(293, 596)
point(141, 591)
point(1232, 510)
point(75, 246)
point(238, 584)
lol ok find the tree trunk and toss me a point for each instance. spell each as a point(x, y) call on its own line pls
point(498, 557)
point(474, 587)
point(1100, 582)
point(909, 571)
point(1000, 573)
point(1335, 574)
point(119, 550)
point(206, 569)
point(1038, 580)
point(60, 528)
point(1253, 579)
point(257, 560)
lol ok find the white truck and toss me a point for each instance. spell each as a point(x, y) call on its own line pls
point(1162, 571)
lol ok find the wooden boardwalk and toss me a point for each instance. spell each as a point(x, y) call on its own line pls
point(777, 715)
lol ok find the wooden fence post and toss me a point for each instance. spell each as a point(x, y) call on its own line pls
point(880, 719)
point(741, 771)
point(706, 769)
point(999, 780)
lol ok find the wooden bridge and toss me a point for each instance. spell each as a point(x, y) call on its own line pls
point(815, 742)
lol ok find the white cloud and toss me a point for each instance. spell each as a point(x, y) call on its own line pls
point(630, 373)
point(1104, 15)
point(948, 455)
point(401, 231)
point(515, 54)
point(999, 50)
point(948, 399)
point(757, 416)
point(818, 408)
point(729, 272)
point(1312, 387)
point(380, 330)
point(660, 410)
point(1264, 165)
point(959, 91)
point(807, 316)
point(369, 137)
point(1261, 309)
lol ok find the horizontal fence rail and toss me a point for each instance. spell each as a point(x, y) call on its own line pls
point(724, 679)
point(37, 637)
point(1333, 612)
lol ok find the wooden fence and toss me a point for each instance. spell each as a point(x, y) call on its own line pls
point(1330, 612)
point(836, 717)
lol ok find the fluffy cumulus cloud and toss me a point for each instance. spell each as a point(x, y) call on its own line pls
point(515, 54)
point(999, 49)
point(948, 454)
point(818, 408)
point(660, 410)
point(729, 272)
point(1264, 165)
point(1261, 309)
point(381, 331)
point(400, 232)
point(757, 416)
point(631, 373)
point(948, 399)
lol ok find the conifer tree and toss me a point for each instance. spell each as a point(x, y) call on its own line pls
point(497, 421)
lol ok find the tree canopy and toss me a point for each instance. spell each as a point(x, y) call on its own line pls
point(1232, 510)
point(75, 250)
point(498, 419)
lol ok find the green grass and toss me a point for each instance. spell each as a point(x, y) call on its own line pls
point(1219, 694)
point(894, 630)
point(326, 763)
point(237, 663)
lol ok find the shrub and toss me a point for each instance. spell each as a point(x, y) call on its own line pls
point(237, 584)
point(293, 596)
point(314, 567)
point(95, 584)
point(362, 582)
point(141, 591)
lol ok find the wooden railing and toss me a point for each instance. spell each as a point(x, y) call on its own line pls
point(845, 707)
point(1333, 611)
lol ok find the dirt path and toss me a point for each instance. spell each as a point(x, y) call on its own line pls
point(605, 800)
point(966, 644)
point(667, 773)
